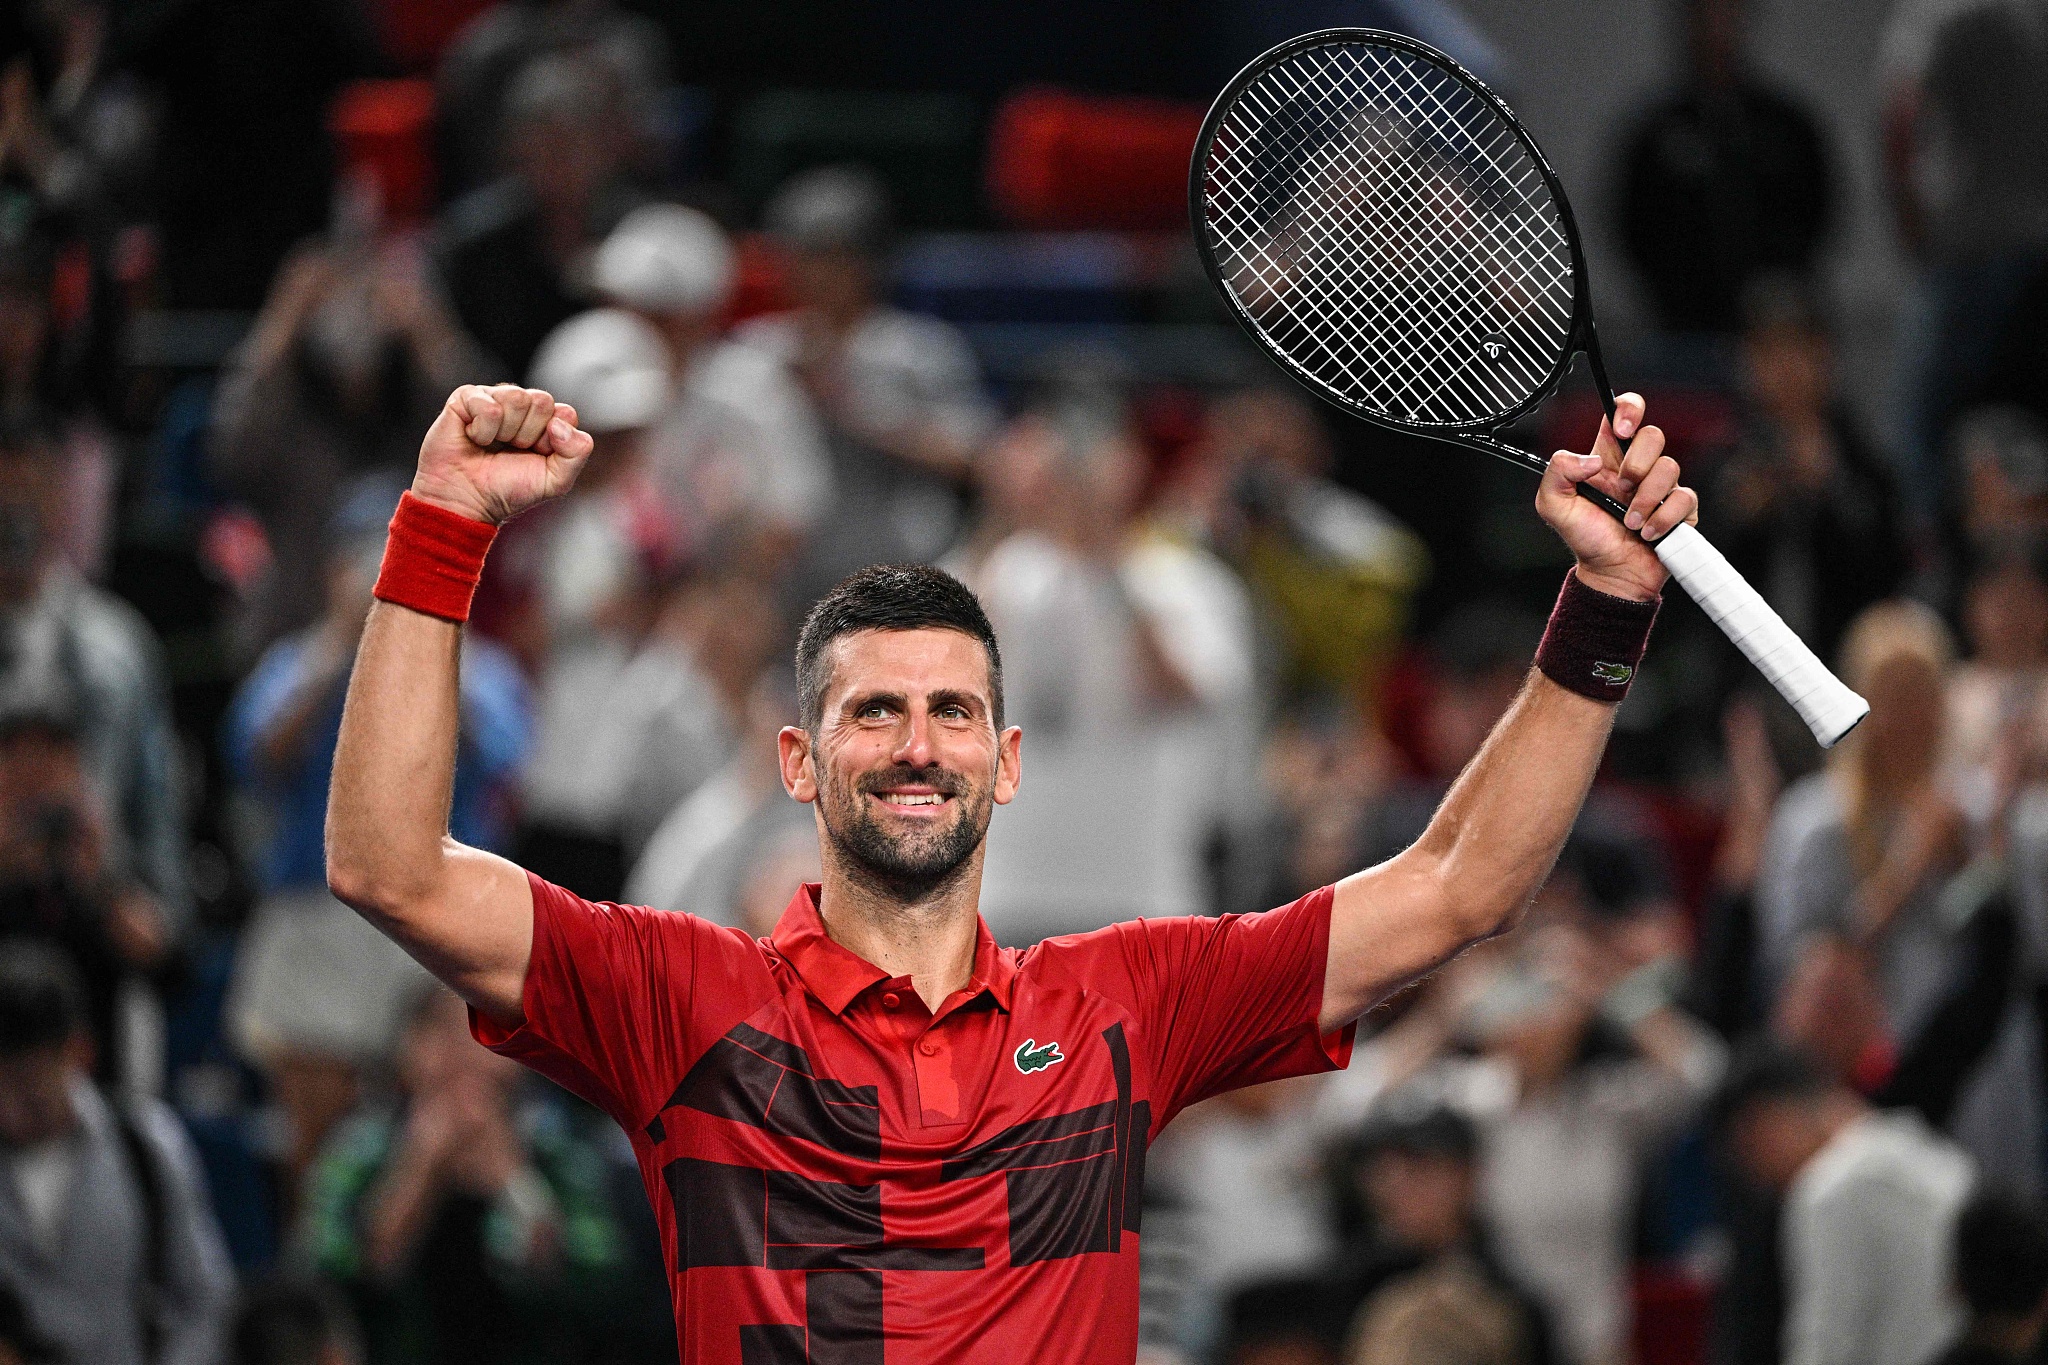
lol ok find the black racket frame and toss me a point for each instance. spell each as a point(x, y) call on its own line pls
point(1581, 339)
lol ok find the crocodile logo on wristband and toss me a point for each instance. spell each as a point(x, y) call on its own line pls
point(1616, 674)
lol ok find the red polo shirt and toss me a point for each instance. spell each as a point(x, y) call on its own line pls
point(843, 1177)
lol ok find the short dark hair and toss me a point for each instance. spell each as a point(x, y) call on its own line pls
point(890, 597)
point(287, 1322)
point(1764, 1071)
point(42, 1002)
point(1422, 1129)
point(2001, 1254)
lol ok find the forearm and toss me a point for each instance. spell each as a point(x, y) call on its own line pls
point(399, 1208)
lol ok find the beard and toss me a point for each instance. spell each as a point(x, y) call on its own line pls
point(907, 865)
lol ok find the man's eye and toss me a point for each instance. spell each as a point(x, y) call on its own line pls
point(874, 711)
point(953, 712)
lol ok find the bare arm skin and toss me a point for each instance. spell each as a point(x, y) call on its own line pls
point(1494, 839)
point(466, 915)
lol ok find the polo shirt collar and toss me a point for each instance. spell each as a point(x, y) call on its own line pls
point(836, 975)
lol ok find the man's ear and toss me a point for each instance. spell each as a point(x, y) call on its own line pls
point(793, 749)
point(1009, 764)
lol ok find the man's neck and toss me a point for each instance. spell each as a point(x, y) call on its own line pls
point(929, 938)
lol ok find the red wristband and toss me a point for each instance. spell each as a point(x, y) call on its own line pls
point(432, 559)
point(1594, 641)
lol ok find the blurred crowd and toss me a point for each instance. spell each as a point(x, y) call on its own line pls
point(1763, 1077)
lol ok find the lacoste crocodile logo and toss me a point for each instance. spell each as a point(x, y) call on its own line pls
point(1613, 673)
point(1031, 1057)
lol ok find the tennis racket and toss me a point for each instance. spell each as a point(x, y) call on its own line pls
point(1384, 227)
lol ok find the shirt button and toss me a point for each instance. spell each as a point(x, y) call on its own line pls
point(928, 1048)
point(890, 1000)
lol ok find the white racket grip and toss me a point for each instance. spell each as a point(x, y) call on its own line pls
point(1822, 700)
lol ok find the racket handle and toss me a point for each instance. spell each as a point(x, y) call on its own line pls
point(1822, 700)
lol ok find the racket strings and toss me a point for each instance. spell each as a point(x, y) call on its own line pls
point(1386, 230)
point(1399, 230)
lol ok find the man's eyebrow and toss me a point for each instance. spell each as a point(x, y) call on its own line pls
point(966, 701)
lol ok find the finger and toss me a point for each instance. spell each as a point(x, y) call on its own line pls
point(1682, 505)
point(482, 414)
point(1628, 415)
point(515, 403)
point(1643, 454)
point(1566, 470)
point(1656, 486)
point(577, 447)
point(540, 407)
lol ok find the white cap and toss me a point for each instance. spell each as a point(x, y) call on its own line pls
point(665, 258)
point(608, 364)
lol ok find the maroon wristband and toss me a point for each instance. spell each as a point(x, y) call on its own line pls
point(1594, 641)
point(433, 558)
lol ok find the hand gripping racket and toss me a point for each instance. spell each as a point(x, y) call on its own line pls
point(1384, 227)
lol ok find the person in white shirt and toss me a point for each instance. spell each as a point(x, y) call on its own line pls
point(1871, 1200)
point(106, 1233)
point(738, 449)
point(900, 395)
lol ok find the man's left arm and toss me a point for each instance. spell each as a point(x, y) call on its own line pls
point(1493, 840)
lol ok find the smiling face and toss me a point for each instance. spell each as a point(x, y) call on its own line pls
point(905, 764)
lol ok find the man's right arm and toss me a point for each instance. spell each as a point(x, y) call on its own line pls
point(466, 915)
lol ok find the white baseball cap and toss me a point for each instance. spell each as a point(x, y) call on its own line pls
point(665, 258)
point(608, 364)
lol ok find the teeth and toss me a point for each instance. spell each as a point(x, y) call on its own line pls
point(920, 799)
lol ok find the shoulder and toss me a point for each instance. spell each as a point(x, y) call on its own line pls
point(1885, 1160)
point(112, 635)
point(910, 338)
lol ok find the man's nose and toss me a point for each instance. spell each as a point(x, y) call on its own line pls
point(915, 750)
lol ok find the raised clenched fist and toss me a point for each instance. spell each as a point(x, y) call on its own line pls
point(497, 450)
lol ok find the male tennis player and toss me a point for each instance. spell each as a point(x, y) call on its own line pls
point(874, 1135)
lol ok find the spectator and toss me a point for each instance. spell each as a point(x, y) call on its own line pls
point(468, 1228)
point(738, 451)
point(1584, 1068)
point(700, 857)
point(2001, 1275)
point(1243, 1169)
point(1806, 511)
point(1332, 570)
point(1965, 91)
point(1275, 1322)
point(83, 139)
point(626, 52)
point(1854, 878)
point(1871, 1200)
point(42, 379)
point(20, 1343)
point(69, 649)
point(1416, 1171)
point(292, 1322)
point(509, 252)
point(900, 395)
point(1999, 452)
point(1129, 656)
point(57, 885)
point(1721, 182)
point(352, 355)
point(1997, 712)
point(107, 1235)
point(316, 994)
point(589, 567)
point(1107, 622)
point(713, 638)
